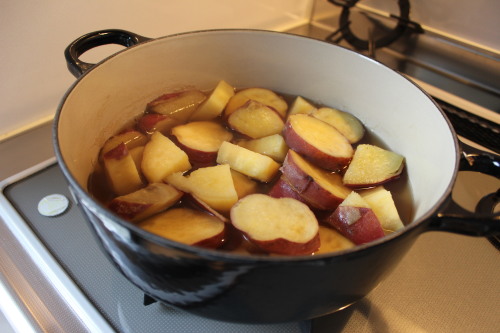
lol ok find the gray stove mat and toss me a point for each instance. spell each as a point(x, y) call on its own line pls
point(69, 238)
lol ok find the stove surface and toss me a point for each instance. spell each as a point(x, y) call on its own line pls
point(446, 283)
point(57, 278)
point(70, 241)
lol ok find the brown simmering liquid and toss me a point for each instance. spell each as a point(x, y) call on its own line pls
point(235, 241)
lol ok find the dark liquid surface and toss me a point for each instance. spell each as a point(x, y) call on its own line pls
point(400, 188)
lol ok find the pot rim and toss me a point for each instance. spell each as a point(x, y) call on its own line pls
point(420, 224)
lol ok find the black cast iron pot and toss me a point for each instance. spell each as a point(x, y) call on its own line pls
point(242, 288)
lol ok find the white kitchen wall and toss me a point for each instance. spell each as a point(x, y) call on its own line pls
point(34, 34)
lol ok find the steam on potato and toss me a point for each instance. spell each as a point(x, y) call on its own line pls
point(250, 171)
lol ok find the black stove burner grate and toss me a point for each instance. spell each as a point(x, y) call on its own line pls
point(404, 24)
point(468, 125)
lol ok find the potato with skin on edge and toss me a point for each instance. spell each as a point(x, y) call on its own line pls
point(214, 185)
point(382, 203)
point(121, 170)
point(355, 219)
point(178, 105)
point(282, 226)
point(310, 173)
point(198, 203)
point(153, 122)
point(282, 189)
point(145, 202)
point(261, 95)
point(343, 121)
point(201, 140)
point(320, 188)
point(130, 137)
point(318, 142)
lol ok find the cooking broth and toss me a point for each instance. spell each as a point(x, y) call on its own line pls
point(100, 189)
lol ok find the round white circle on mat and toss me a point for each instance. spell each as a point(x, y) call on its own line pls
point(53, 205)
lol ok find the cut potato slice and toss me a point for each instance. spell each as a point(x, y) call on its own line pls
point(200, 204)
point(201, 140)
point(332, 240)
point(322, 189)
point(187, 226)
point(247, 162)
point(355, 200)
point(273, 146)
point(255, 120)
point(214, 105)
point(136, 154)
point(282, 226)
point(161, 157)
point(121, 170)
point(380, 200)
point(300, 105)
point(153, 122)
point(318, 142)
point(214, 185)
point(372, 166)
point(131, 139)
point(145, 202)
point(344, 122)
point(282, 189)
point(354, 219)
point(178, 105)
point(243, 184)
point(262, 95)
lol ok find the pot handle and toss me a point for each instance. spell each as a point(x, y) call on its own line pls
point(94, 39)
point(484, 222)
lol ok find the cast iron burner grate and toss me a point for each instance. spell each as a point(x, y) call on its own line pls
point(482, 131)
point(468, 125)
point(344, 32)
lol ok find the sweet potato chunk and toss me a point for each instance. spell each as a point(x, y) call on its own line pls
point(145, 202)
point(320, 188)
point(214, 185)
point(255, 120)
point(178, 105)
point(247, 162)
point(161, 157)
point(282, 226)
point(261, 95)
point(318, 142)
point(121, 170)
point(372, 166)
point(214, 105)
point(187, 226)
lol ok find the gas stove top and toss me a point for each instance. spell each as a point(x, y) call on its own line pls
point(59, 279)
point(56, 278)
